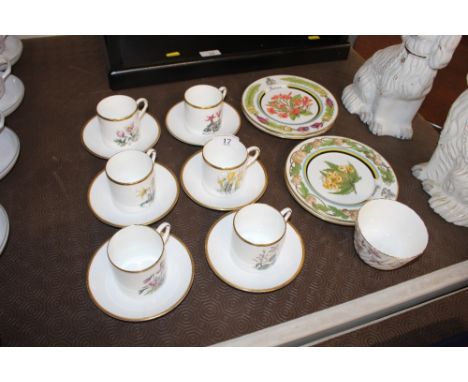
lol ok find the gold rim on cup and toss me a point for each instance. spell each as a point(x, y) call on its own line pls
point(117, 119)
point(129, 183)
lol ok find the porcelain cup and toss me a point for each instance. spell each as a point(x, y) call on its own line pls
point(388, 234)
point(5, 70)
point(258, 235)
point(203, 108)
point(131, 179)
point(225, 161)
point(137, 254)
point(119, 119)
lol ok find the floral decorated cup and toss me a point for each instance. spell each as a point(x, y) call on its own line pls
point(389, 234)
point(225, 160)
point(258, 235)
point(203, 105)
point(137, 255)
point(119, 118)
point(131, 179)
point(5, 70)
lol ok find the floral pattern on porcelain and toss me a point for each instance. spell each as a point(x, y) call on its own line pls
point(266, 258)
point(230, 181)
point(146, 194)
point(375, 258)
point(340, 180)
point(153, 282)
point(289, 106)
point(126, 136)
point(214, 123)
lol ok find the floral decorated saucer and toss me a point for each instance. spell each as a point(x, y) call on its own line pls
point(92, 139)
point(101, 203)
point(253, 187)
point(13, 49)
point(9, 151)
point(4, 228)
point(14, 93)
point(281, 273)
point(289, 106)
point(332, 177)
point(175, 123)
point(109, 298)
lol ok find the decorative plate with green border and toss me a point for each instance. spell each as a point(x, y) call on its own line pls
point(298, 182)
point(289, 106)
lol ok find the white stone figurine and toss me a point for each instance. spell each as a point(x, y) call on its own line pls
point(445, 176)
point(389, 88)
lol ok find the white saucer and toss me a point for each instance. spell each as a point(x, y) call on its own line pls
point(100, 200)
point(254, 185)
point(4, 228)
point(92, 139)
point(13, 49)
point(14, 93)
point(175, 124)
point(108, 297)
point(9, 151)
point(281, 273)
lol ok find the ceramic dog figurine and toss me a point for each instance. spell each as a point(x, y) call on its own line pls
point(389, 88)
point(445, 176)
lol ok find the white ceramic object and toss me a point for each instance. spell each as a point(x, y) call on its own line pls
point(389, 234)
point(255, 184)
point(9, 149)
point(131, 179)
point(101, 203)
point(13, 49)
point(137, 254)
point(175, 123)
point(93, 141)
point(225, 162)
point(4, 228)
point(445, 176)
point(14, 93)
point(119, 118)
point(258, 236)
point(389, 88)
point(109, 298)
point(4, 73)
point(203, 109)
point(283, 272)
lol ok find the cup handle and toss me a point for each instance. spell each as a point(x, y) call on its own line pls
point(164, 230)
point(223, 90)
point(7, 72)
point(152, 154)
point(253, 152)
point(141, 110)
point(286, 213)
point(2, 122)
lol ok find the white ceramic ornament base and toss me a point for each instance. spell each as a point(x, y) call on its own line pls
point(4, 228)
point(9, 151)
point(14, 93)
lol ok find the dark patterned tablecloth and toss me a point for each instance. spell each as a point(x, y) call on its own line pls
point(43, 296)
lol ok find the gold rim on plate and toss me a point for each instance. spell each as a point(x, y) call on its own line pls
point(198, 144)
point(147, 318)
point(103, 220)
point(251, 290)
point(187, 192)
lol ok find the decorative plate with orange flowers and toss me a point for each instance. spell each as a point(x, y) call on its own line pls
point(332, 177)
point(289, 106)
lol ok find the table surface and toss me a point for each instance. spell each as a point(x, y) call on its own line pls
point(54, 234)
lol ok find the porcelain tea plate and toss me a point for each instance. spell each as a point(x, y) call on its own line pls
point(92, 139)
point(253, 187)
point(4, 228)
point(332, 177)
point(14, 93)
point(289, 106)
point(175, 123)
point(281, 273)
point(108, 297)
point(13, 49)
point(9, 151)
point(101, 203)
